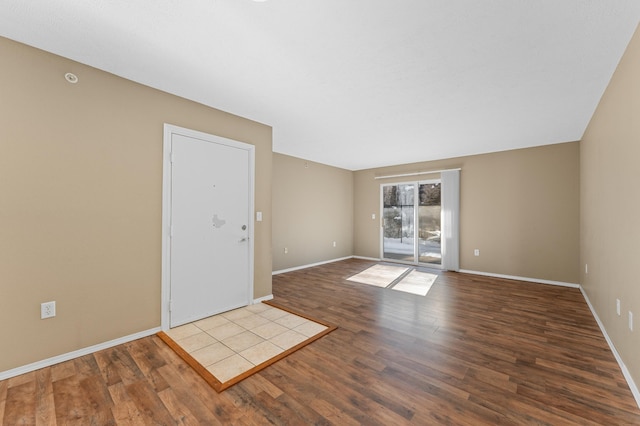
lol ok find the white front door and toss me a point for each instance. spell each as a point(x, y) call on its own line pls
point(209, 244)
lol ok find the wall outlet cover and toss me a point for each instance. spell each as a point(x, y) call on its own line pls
point(47, 310)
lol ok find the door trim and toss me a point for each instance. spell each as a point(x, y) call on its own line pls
point(169, 131)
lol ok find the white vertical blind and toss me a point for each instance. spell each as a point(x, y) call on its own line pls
point(450, 220)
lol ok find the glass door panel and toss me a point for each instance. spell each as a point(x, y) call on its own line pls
point(411, 222)
point(429, 249)
point(398, 222)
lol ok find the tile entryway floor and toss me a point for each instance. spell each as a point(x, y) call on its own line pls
point(231, 343)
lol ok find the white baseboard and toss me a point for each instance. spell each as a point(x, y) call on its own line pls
point(262, 299)
point(625, 371)
point(513, 277)
point(75, 354)
point(297, 268)
point(375, 259)
point(623, 367)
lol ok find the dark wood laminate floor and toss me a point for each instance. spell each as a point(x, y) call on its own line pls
point(475, 351)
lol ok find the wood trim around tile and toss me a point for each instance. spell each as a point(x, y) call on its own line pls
point(220, 386)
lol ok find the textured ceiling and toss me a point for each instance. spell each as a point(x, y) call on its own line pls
point(354, 83)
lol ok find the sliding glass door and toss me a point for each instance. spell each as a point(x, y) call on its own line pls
point(411, 222)
point(429, 209)
point(398, 217)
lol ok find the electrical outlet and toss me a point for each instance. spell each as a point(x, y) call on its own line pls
point(630, 320)
point(476, 252)
point(47, 310)
point(286, 250)
point(373, 216)
point(334, 243)
point(618, 306)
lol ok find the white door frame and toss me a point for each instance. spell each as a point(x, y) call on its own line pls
point(170, 130)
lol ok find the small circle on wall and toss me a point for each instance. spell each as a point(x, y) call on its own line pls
point(71, 77)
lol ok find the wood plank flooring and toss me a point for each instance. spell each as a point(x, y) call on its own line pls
point(474, 351)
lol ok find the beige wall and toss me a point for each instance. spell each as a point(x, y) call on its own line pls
point(80, 197)
point(81, 200)
point(520, 208)
point(312, 208)
point(610, 207)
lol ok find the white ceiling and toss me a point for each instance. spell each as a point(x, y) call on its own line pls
point(357, 83)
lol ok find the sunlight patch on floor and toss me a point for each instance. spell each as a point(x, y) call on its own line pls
point(379, 275)
point(416, 283)
point(399, 278)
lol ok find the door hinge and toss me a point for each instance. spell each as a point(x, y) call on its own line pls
point(170, 305)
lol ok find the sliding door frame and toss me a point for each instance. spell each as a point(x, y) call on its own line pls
point(416, 225)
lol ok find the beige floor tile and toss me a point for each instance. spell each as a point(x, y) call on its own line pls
point(290, 321)
point(310, 328)
point(211, 322)
point(260, 353)
point(211, 354)
point(237, 313)
point(236, 341)
point(251, 321)
point(242, 341)
point(230, 367)
point(288, 339)
point(273, 313)
point(258, 307)
point(269, 330)
point(197, 341)
point(226, 330)
point(183, 331)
